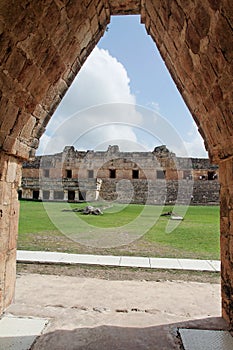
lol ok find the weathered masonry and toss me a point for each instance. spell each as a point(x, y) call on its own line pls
point(153, 177)
point(43, 46)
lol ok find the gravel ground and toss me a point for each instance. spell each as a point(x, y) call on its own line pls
point(119, 273)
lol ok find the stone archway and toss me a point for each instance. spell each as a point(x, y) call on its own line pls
point(43, 46)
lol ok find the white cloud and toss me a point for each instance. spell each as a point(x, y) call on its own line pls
point(99, 109)
point(195, 146)
point(99, 96)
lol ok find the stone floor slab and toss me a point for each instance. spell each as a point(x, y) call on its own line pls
point(39, 256)
point(196, 339)
point(133, 261)
point(19, 333)
point(216, 264)
point(91, 259)
point(195, 265)
point(97, 314)
point(127, 261)
point(165, 263)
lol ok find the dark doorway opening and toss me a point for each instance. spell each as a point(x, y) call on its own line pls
point(69, 174)
point(90, 174)
point(46, 172)
point(112, 173)
point(212, 175)
point(35, 195)
point(161, 174)
point(71, 195)
point(135, 174)
point(82, 196)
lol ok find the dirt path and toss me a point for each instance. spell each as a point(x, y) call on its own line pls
point(119, 273)
point(98, 314)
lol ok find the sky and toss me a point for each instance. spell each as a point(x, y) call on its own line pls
point(123, 95)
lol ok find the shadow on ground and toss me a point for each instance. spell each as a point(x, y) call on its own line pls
point(164, 337)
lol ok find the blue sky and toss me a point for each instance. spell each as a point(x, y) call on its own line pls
point(150, 81)
point(123, 94)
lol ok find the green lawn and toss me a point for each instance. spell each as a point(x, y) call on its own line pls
point(197, 236)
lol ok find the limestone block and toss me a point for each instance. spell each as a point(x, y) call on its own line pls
point(40, 113)
point(201, 20)
point(51, 18)
point(10, 115)
point(10, 276)
point(28, 73)
point(192, 37)
point(2, 278)
point(37, 89)
point(15, 62)
point(4, 227)
point(74, 11)
point(177, 16)
point(223, 34)
point(13, 225)
point(11, 171)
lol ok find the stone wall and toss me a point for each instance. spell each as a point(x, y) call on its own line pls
point(50, 41)
point(141, 175)
point(161, 192)
point(10, 172)
point(43, 46)
point(226, 225)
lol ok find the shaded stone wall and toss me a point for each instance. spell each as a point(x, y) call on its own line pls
point(226, 224)
point(10, 173)
point(43, 46)
point(50, 40)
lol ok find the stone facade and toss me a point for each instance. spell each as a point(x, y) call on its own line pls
point(43, 46)
point(139, 177)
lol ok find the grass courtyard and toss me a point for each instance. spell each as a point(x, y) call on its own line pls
point(133, 229)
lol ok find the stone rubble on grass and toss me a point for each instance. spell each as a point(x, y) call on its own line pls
point(91, 210)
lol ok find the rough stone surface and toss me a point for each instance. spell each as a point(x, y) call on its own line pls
point(44, 44)
point(9, 211)
point(51, 40)
point(96, 314)
point(87, 175)
point(226, 224)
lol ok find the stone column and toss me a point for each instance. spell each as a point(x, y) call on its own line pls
point(51, 195)
point(65, 195)
point(10, 174)
point(24, 193)
point(226, 228)
point(40, 194)
point(76, 198)
point(98, 187)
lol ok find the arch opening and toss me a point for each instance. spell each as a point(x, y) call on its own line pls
point(195, 41)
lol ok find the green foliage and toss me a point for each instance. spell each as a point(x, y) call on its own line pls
point(197, 236)
point(198, 232)
point(33, 218)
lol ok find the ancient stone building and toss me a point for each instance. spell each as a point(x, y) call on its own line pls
point(44, 44)
point(154, 177)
